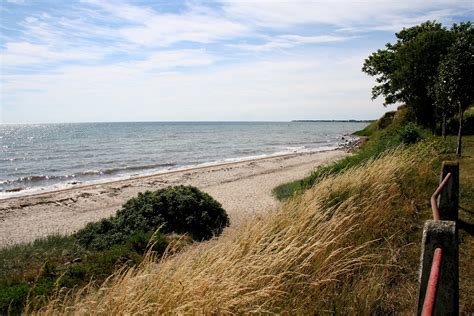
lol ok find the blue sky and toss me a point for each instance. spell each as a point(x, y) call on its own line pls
point(101, 60)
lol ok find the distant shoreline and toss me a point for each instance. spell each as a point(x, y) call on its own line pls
point(332, 121)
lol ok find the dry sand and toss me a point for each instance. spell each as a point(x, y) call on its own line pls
point(243, 188)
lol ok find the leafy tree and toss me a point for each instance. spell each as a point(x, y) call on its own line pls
point(407, 70)
point(454, 90)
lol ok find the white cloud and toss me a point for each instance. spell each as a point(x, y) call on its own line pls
point(24, 53)
point(102, 60)
point(386, 14)
point(281, 89)
point(175, 58)
point(151, 28)
point(164, 30)
point(16, 1)
point(290, 41)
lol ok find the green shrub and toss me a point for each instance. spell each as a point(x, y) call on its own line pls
point(410, 133)
point(12, 297)
point(178, 209)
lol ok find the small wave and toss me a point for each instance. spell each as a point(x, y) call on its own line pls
point(91, 173)
point(135, 168)
point(296, 148)
point(33, 179)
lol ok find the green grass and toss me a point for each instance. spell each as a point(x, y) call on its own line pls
point(466, 226)
point(33, 272)
point(23, 269)
point(368, 130)
point(379, 142)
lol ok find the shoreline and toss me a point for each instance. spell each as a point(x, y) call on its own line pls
point(242, 187)
point(38, 191)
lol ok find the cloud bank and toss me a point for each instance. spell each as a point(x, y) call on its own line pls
point(106, 60)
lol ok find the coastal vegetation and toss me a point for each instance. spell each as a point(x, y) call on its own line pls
point(179, 209)
point(347, 245)
point(390, 131)
point(345, 240)
point(431, 70)
point(160, 221)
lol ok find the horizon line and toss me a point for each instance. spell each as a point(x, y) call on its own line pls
point(198, 121)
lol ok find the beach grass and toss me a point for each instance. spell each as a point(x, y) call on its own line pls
point(378, 143)
point(348, 244)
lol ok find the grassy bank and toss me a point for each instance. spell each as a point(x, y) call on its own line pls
point(347, 241)
point(348, 244)
point(384, 134)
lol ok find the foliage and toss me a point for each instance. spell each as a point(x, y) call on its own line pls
point(452, 124)
point(178, 209)
point(13, 297)
point(350, 243)
point(456, 72)
point(368, 130)
point(37, 270)
point(410, 133)
point(406, 71)
point(454, 87)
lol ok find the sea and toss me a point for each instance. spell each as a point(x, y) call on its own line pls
point(38, 158)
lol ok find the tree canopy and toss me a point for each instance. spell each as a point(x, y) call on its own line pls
point(454, 86)
point(407, 71)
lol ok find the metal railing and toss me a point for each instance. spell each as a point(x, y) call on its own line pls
point(438, 292)
point(434, 197)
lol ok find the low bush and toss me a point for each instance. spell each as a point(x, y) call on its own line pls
point(410, 134)
point(175, 209)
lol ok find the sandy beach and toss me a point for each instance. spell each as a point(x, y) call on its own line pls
point(243, 188)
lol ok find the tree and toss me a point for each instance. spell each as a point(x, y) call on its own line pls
point(407, 70)
point(454, 87)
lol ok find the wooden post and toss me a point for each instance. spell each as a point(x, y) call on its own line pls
point(449, 197)
point(440, 234)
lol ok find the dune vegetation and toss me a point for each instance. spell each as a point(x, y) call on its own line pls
point(345, 240)
point(348, 244)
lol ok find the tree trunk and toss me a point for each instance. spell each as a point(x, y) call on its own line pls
point(443, 126)
point(459, 148)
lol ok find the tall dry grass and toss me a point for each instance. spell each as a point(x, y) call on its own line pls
point(337, 248)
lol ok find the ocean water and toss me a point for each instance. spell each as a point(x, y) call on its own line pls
point(39, 157)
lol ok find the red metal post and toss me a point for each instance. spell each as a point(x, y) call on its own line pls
point(434, 197)
point(430, 297)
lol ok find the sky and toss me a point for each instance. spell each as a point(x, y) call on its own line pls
point(144, 60)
